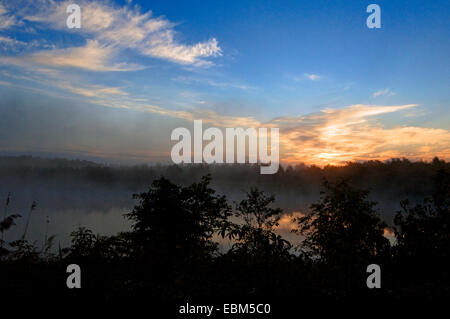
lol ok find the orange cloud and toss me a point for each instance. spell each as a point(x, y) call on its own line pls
point(336, 136)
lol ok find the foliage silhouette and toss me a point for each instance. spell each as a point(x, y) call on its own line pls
point(423, 239)
point(344, 232)
point(172, 233)
point(171, 252)
point(256, 234)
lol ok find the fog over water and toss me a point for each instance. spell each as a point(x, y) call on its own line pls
point(81, 193)
point(66, 207)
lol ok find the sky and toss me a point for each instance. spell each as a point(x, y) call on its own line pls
point(116, 87)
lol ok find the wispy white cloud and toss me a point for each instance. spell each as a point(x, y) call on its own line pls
point(305, 76)
point(125, 27)
point(165, 47)
point(10, 43)
point(211, 82)
point(56, 79)
point(386, 92)
point(92, 57)
point(7, 20)
point(312, 77)
point(93, 90)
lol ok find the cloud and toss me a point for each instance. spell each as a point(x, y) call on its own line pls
point(335, 136)
point(207, 116)
point(312, 77)
point(8, 43)
point(165, 47)
point(124, 27)
point(211, 82)
point(6, 20)
point(5, 83)
point(94, 90)
point(383, 92)
point(56, 79)
point(93, 56)
point(332, 136)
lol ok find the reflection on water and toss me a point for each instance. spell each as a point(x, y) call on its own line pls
point(62, 223)
point(101, 208)
point(98, 207)
point(104, 222)
point(65, 205)
point(106, 219)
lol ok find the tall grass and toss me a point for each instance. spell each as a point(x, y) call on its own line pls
point(4, 218)
point(32, 208)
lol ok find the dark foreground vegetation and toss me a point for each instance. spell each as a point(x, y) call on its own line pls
point(171, 253)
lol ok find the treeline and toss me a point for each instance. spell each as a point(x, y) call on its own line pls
point(402, 175)
point(295, 187)
point(171, 253)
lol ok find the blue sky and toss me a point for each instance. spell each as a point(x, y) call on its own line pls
point(338, 90)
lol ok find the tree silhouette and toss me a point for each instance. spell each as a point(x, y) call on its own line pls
point(423, 240)
point(344, 232)
point(172, 232)
point(259, 262)
point(256, 235)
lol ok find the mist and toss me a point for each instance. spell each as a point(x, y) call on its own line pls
point(72, 193)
